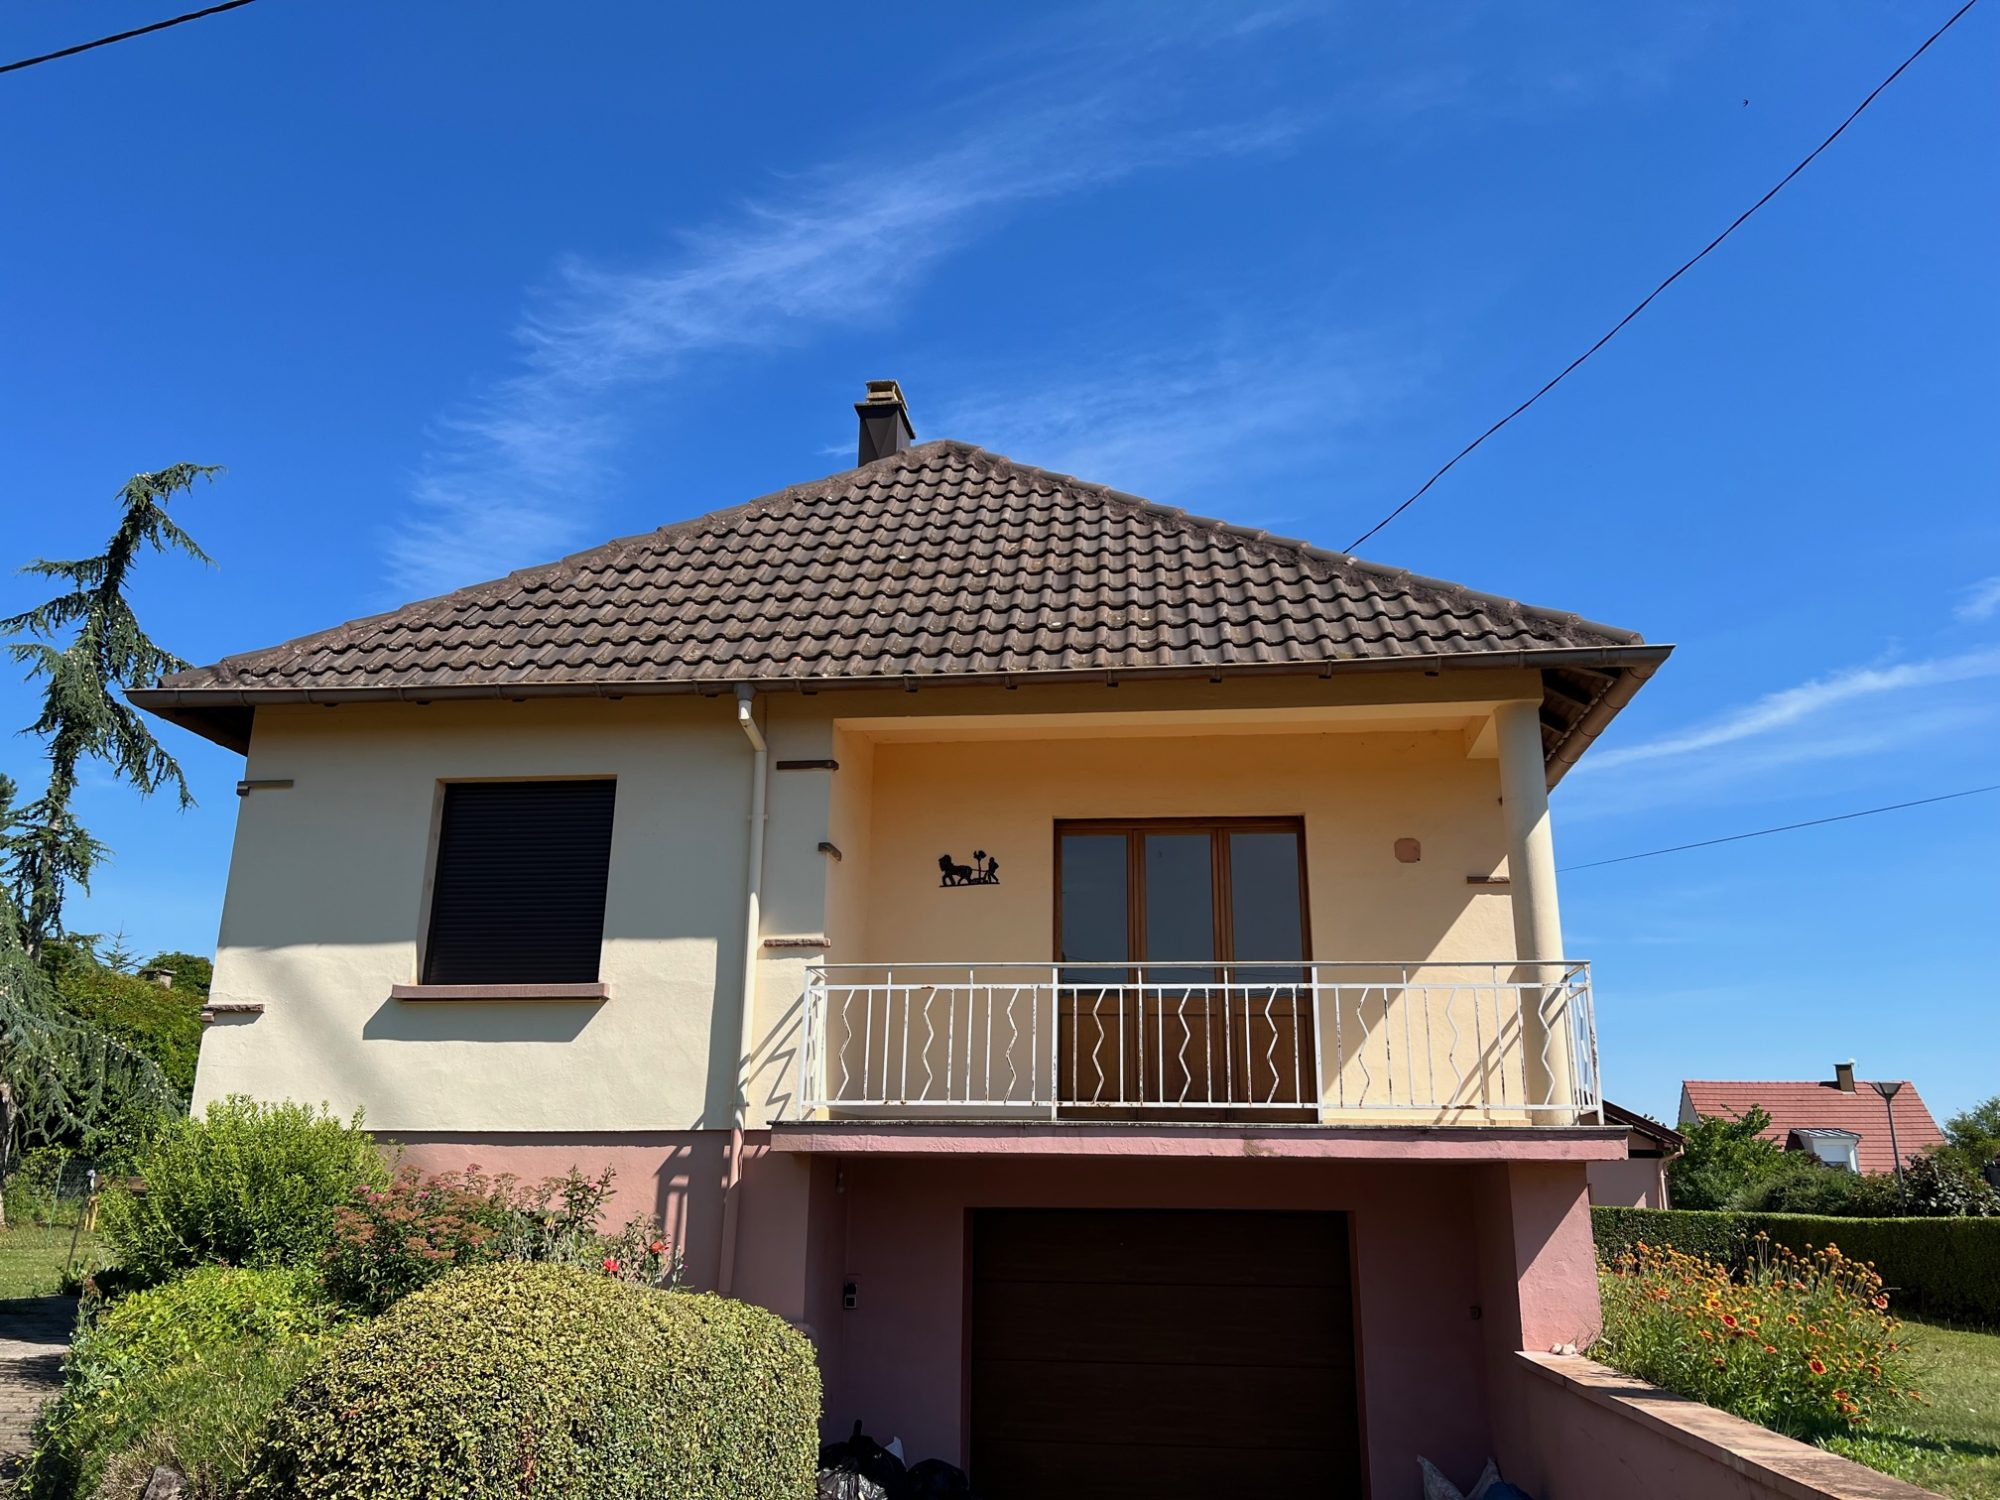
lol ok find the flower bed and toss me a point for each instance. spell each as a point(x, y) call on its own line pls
point(1803, 1344)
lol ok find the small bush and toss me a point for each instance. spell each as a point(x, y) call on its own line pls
point(1812, 1187)
point(510, 1381)
point(247, 1184)
point(205, 1421)
point(390, 1242)
point(145, 1359)
point(1802, 1344)
point(1943, 1187)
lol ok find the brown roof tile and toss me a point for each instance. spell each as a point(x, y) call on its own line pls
point(941, 562)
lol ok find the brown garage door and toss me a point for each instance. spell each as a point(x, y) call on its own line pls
point(1161, 1355)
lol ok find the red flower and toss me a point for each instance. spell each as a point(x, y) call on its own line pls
point(658, 1247)
point(1816, 1366)
point(611, 1265)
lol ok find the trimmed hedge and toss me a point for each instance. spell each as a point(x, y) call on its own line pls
point(513, 1381)
point(211, 1346)
point(1944, 1268)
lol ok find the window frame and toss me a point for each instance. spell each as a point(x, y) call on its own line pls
point(424, 988)
point(1221, 892)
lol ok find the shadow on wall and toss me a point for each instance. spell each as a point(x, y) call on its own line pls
point(474, 1021)
point(776, 1058)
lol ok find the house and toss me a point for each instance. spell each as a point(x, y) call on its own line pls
point(1099, 970)
point(1640, 1180)
point(1843, 1123)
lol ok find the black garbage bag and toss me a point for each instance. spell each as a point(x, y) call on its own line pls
point(860, 1469)
point(934, 1479)
point(846, 1484)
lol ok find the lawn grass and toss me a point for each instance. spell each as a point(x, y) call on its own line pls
point(32, 1258)
point(1951, 1444)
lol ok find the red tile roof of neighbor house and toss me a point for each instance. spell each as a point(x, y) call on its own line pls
point(1823, 1106)
point(942, 563)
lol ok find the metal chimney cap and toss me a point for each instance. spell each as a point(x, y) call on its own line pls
point(885, 422)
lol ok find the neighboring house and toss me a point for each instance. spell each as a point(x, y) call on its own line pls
point(1640, 1180)
point(1016, 931)
point(1843, 1123)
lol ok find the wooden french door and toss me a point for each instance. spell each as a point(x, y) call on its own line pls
point(1182, 943)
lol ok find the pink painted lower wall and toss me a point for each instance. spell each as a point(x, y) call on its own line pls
point(1586, 1432)
point(1456, 1266)
point(1637, 1182)
point(1423, 1327)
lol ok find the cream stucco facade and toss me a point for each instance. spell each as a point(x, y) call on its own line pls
point(327, 896)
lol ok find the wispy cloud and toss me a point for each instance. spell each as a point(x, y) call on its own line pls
point(1794, 707)
point(1980, 602)
point(510, 472)
point(1165, 422)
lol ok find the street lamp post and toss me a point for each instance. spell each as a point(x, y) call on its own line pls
point(1888, 1091)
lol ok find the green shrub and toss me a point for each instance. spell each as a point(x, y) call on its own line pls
point(165, 1024)
point(388, 1242)
point(512, 1381)
point(247, 1184)
point(1943, 1268)
point(1803, 1344)
point(206, 1421)
point(1941, 1186)
point(135, 1371)
point(1811, 1186)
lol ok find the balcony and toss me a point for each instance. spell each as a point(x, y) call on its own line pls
point(1434, 1043)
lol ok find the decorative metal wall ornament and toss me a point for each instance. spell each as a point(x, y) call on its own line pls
point(982, 870)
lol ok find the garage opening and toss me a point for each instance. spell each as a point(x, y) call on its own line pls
point(1161, 1355)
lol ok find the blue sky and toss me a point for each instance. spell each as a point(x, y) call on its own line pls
point(455, 289)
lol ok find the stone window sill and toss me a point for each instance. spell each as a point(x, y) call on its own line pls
point(596, 990)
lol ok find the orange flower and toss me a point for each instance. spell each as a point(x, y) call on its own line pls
point(1729, 1320)
point(1816, 1366)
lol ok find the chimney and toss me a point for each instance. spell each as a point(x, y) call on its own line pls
point(1843, 1077)
point(885, 421)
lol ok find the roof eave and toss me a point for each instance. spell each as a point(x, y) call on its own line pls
point(223, 714)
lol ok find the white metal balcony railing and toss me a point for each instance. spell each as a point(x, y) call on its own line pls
point(1499, 1043)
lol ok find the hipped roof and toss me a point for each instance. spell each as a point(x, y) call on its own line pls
point(938, 565)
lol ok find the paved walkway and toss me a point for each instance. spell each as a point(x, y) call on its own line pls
point(34, 1331)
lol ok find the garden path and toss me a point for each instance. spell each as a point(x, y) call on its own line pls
point(34, 1332)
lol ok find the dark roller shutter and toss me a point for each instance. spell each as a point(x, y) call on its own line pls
point(1152, 1355)
point(519, 892)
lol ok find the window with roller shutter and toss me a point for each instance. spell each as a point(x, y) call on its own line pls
point(518, 893)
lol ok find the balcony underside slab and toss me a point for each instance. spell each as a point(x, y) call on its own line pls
point(1412, 1143)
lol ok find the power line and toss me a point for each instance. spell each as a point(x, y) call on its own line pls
point(1685, 268)
point(1866, 812)
point(123, 36)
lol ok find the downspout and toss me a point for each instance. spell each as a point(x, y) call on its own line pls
point(747, 1006)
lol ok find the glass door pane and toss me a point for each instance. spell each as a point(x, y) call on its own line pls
point(1095, 901)
point(1095, 1044)
point(1175, 998)
point(1271, 1022)
point(1264, 903)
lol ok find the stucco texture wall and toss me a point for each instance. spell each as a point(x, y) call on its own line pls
point(326, 902)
